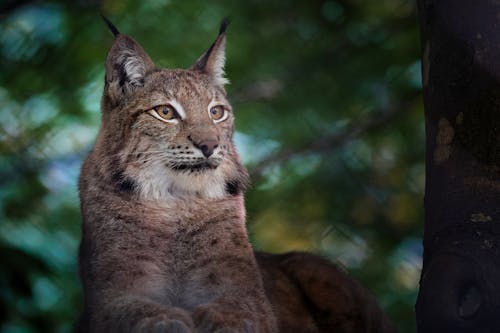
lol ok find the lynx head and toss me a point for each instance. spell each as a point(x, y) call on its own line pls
point(167, 132)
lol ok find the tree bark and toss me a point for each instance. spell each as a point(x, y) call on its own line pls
point(460, 281)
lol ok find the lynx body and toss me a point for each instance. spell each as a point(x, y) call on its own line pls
point(164, 245)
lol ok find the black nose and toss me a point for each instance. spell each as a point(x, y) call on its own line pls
point(205, 143)
point(207, 147)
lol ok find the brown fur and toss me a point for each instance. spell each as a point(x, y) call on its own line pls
point(164, 245)
point(309, 294)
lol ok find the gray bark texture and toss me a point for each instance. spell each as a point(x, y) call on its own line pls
point(460, 281)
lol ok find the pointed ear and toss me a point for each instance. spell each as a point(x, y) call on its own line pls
point(126, 66)
point(213, 60)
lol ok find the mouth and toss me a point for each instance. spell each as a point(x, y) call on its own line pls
point(206, 165)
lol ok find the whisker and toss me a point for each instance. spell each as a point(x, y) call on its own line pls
point(152, 158)
point(137, 153)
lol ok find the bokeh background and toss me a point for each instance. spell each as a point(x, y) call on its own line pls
point(329, 119)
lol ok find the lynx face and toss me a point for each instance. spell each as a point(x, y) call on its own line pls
point(172, 129)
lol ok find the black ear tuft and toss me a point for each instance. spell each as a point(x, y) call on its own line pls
point(223, 25)
point(110, 25)
point(127, 64)
point(212, 61)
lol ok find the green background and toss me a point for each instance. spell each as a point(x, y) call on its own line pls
point(329, 123)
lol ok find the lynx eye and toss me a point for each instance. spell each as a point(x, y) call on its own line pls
point(165, 113)
point(218, 113)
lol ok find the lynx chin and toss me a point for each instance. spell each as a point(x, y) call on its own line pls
point(164, 244)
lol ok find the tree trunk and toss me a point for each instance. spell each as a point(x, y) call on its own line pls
point(460, 282)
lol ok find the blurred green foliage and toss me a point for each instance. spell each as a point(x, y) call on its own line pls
point(329, 119)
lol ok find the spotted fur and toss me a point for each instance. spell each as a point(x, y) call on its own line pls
point(164, 244)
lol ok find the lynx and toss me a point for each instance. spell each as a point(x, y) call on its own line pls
point(164, 244)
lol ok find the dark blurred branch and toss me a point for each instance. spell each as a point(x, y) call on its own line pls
point(329, 142)
point(10, 6)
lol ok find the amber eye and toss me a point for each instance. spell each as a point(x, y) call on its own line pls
point(165, 112)
point(218, 113)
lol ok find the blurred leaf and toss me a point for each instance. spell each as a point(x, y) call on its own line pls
point(326, 95)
